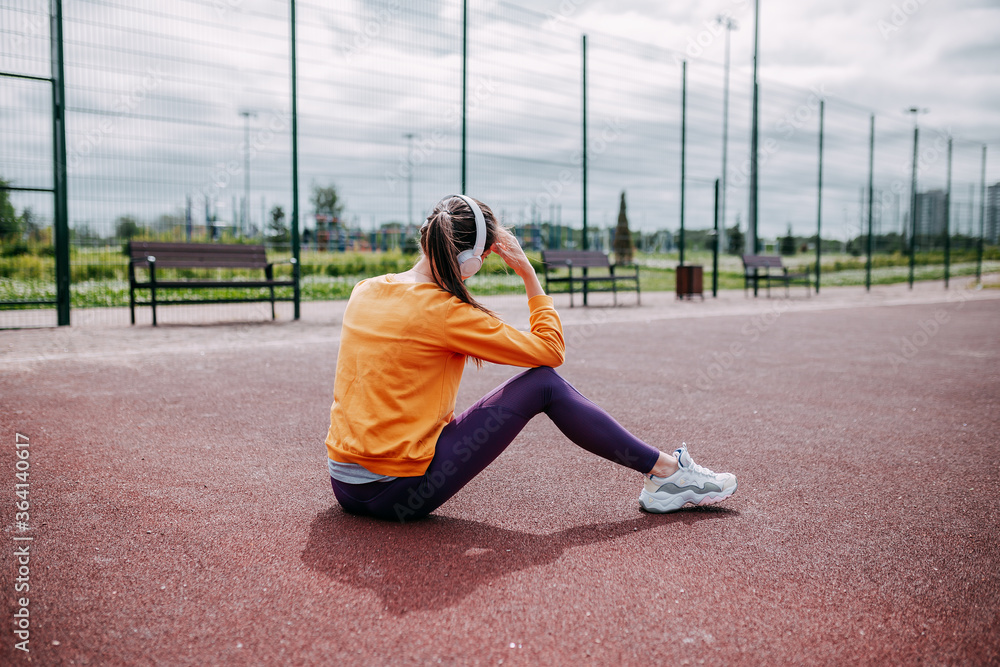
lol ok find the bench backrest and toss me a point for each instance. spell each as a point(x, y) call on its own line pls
point(196, 255)
point(557, 258)
point(762, 262)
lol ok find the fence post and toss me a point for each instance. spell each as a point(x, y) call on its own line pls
point(913, 206)
point(61, 222)
point(586, 242)
point(819, 199)
point(947, 222)
point(683, 150)
point(982, 219)
point(295, 173)
point(715, 245)
point(871, 197)
point(754, 136)
point(465, 76)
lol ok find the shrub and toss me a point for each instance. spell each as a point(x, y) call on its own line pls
point(15, 249)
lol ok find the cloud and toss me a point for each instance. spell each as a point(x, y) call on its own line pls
point(372, 72)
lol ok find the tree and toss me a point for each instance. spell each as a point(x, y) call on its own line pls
point(83, 233)
point(127, 228)
point(169, 223)
point(623, 237)
point(735, 238)
point(787, 243)
point(31, 228)
point(276, 226)
point(326, 201)
point(10, 223)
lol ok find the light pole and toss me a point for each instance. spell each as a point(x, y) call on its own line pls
point(245, 213)
point(730, 24)
point(916, 111)
point(409, 178)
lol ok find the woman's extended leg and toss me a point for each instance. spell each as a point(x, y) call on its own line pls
point(480, 434)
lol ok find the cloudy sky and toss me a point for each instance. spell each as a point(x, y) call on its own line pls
point(886, 55)
point(157, 93)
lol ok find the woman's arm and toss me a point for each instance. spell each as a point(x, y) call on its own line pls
point(472, 332)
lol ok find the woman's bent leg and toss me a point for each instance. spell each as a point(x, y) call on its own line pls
point(480, 434)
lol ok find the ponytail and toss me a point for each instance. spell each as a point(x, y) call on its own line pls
point(449, 230)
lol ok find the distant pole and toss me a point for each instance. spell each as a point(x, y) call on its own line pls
point(871, 198)
point(897, 225)
point(683, 150)
point(972, 214)
point(754, 131)
point(409, 178)
point(819, 199)
point(245, 212)
point(187, 218)
point(729, 24)
point(916, 111)
point(947, 222)
point(913, 207)
point(465, 78)
point(296, 259)
point(982, 218)
point(715, 247)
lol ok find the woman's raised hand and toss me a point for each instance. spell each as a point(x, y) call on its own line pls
point(510, 251)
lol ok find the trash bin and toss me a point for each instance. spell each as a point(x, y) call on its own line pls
point(689, 281)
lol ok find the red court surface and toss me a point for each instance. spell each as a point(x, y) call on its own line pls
point(181, 511)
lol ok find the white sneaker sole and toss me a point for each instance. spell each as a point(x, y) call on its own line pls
point(675, 501)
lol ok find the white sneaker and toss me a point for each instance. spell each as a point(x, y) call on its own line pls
point(691, 484)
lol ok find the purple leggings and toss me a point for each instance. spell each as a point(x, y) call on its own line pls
point(476, 437)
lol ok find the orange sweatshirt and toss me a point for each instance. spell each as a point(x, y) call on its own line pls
point(402, 351)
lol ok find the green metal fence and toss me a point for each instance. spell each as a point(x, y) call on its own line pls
point(180, 120)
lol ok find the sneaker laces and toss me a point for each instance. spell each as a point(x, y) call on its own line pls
point(698, 468)
point(703, 470)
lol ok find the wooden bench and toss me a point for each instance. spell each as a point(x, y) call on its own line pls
point(153, 255)
point(586, 259)
point(753, 264)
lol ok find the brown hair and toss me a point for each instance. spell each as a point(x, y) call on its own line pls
point(450, 229)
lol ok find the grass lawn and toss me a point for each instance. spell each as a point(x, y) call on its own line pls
point(100, 275)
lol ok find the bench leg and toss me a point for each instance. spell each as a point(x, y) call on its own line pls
point(272, 304)
point(638, 298)
point(152, 289)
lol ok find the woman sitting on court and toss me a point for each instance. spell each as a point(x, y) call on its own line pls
point(396, 449)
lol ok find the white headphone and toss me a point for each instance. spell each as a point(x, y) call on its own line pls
point(471, 260)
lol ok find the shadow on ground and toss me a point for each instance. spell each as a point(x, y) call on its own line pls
point(436, 562)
